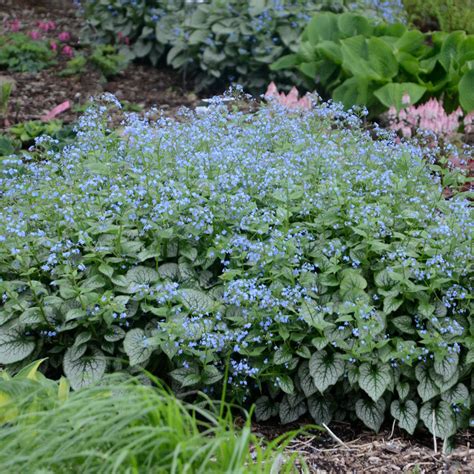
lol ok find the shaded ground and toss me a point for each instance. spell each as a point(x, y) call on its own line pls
point(36, 94)
point(358, 451)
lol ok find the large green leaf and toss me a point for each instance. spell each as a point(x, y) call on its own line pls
point(84, 370)
point(353, 91)
point(285, 62)
point(323, 26)
point(265, 408)
point(381, 59)
point(326, 369)
point(139, 277)
point(393, 94)
point(374, 379)
point(320, 409)
point(137, 346)
point(306, 380)
point(350, 24)
point(439, 419)
point(14, 345)
point(448, 56)
point(370, 413)
point(446, 365)
point(291, 408)
point(406, 413)
point(427, 388)
point(196, 301)
point(466, 91)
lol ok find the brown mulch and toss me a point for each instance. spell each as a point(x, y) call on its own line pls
point(37, 93)
point(353, 449)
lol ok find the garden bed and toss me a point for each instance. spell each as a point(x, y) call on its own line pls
point(141, 86)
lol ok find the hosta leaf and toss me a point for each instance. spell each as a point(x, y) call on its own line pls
point(196, 301)
point(466, 91)
point(326, 369)
point(439, 419)
point(371, 413)
point(14, 345)
point(457, 394)
point(85, 370)
point(446, 365)
point(320, 409)
point(265, 408)
point(137, 346)
point(374, 379)
point(427, 387)
point(406, 413)
point(291, 409)
point(306, 380)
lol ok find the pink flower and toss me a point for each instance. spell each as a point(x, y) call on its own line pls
point(64, 36)
point(46, 25)
point(34, 35)
point(469, 123)
point(53, 45)
point(406, 99)
point(291, 100)
point(68, 51)
point(14, 25)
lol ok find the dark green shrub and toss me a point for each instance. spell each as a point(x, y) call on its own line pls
point(320, 269)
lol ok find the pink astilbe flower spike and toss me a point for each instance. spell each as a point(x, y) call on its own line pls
point(291, 100)
point(429, 116)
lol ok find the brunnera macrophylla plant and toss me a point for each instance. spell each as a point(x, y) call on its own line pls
point(315, 268)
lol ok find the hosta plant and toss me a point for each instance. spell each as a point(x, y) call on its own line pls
point(214, 42)
point(311, 267)
point(356, 61)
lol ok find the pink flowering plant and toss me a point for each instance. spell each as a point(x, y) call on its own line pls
point(291, 100)
point(430, 116)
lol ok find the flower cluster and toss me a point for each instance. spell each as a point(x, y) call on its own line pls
point(292, 251)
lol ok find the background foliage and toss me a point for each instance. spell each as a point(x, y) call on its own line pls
point(305, 259)
point(355, 61)
point(215, 42)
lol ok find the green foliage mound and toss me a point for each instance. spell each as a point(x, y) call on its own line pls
point(292, 256)
point(18, 52)
point(355, 61)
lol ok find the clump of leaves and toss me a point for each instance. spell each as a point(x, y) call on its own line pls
point(105, 58)
point(19, 52)
point(313, 267)
point(27, 131)
point(135, 428)
point(357, 62)
point(213, 42)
